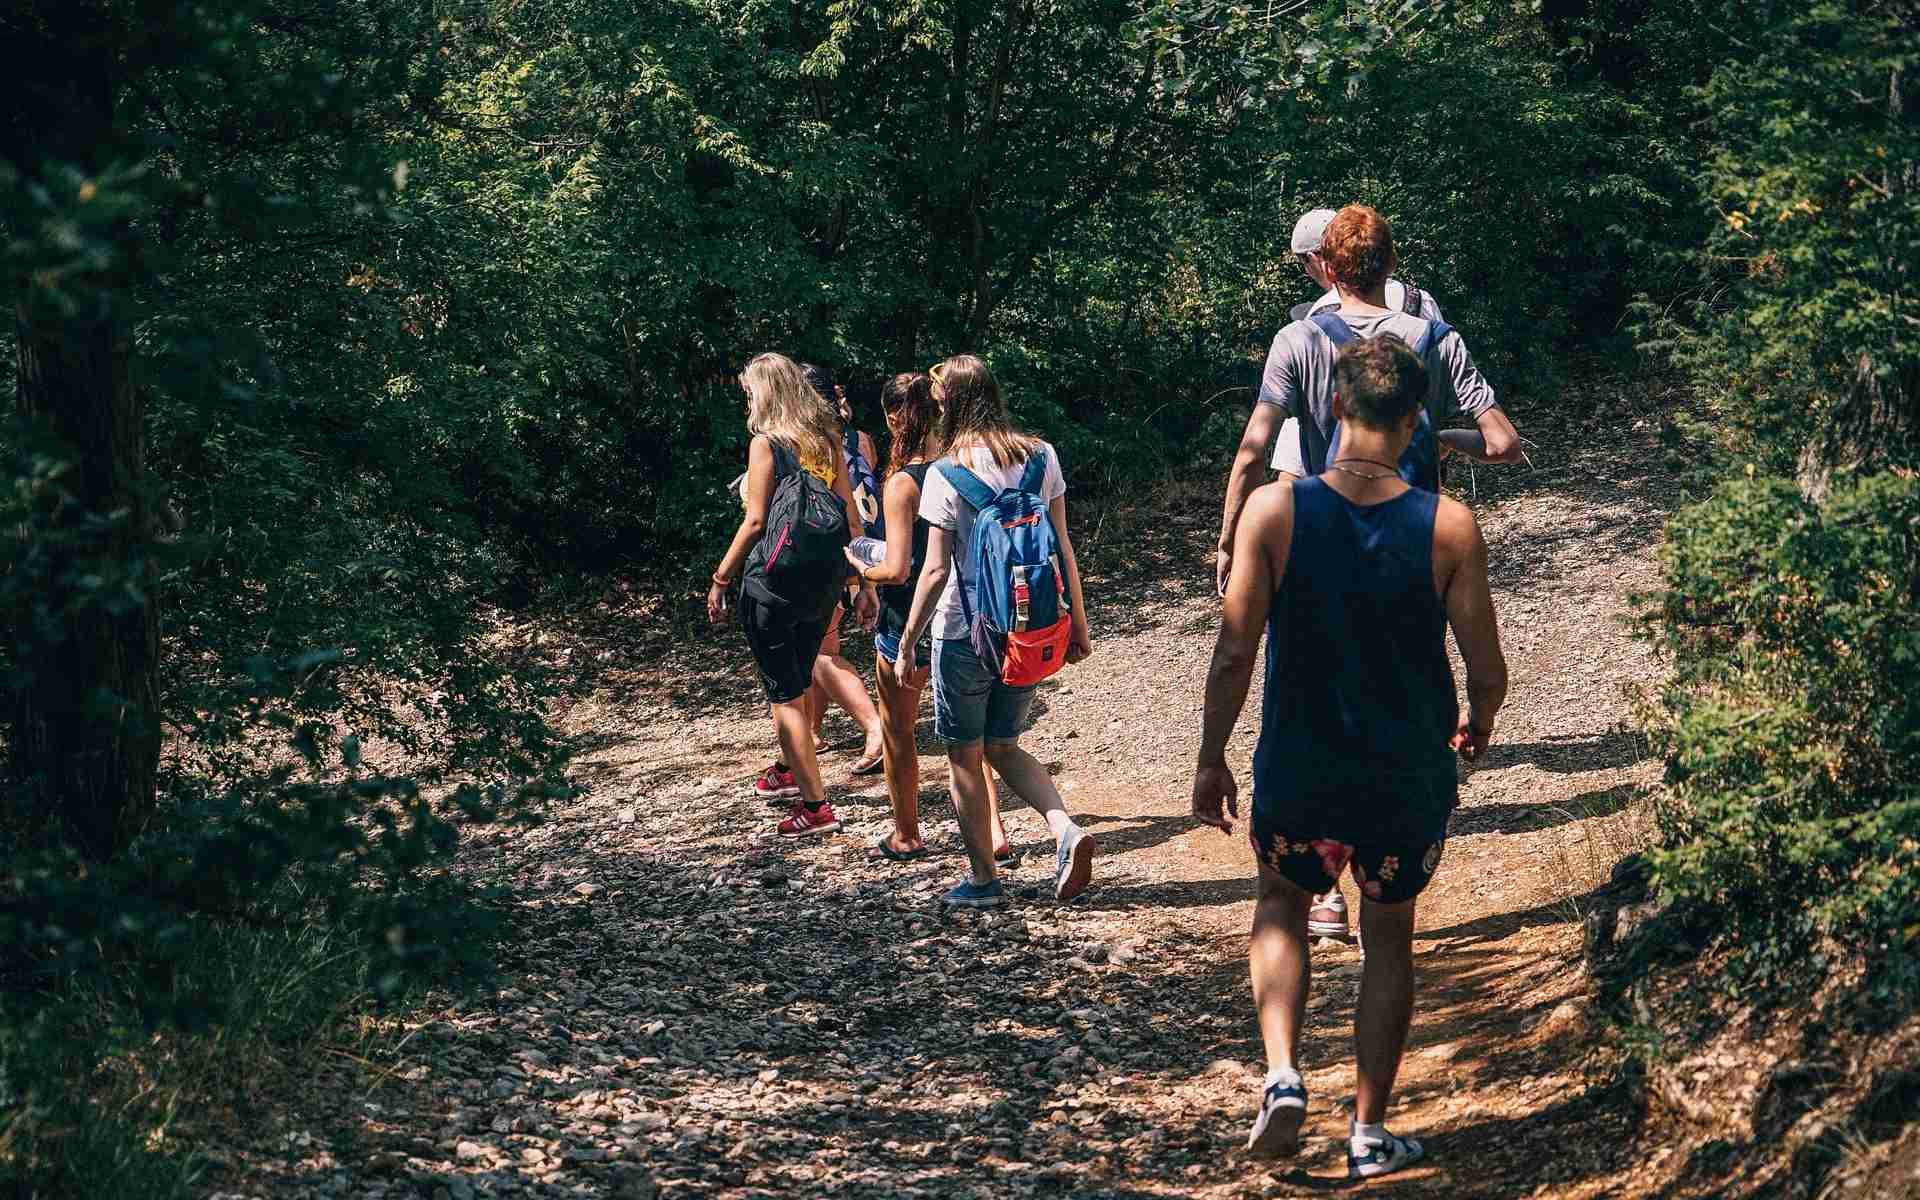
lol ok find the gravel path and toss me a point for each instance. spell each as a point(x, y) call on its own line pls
point(697, 1010)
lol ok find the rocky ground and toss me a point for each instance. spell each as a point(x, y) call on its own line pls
point(698, 1009)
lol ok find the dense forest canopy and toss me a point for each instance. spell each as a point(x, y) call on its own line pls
point(340, 330)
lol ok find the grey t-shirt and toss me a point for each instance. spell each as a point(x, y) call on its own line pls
point(1299, 376)
point(942, 506)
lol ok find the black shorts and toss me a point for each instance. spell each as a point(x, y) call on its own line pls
point(783, 648)
point(1388, 872)
point(1390, 828)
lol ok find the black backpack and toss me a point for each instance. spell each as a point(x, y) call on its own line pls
point(800, 561)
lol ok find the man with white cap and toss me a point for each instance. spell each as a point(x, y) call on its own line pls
point(1272, 413)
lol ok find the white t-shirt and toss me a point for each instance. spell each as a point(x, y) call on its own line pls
point(940, 505)
point(1396, 300)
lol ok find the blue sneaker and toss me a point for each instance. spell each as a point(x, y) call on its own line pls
point(968, 894)
point(1283, 1109)
point(1072, 864)
point(1369, 1155)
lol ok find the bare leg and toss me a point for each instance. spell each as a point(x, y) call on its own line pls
point(1278, 960)
point(899, 710)
point(796, 747)
point(1386, 1005)
point(1002, 846)
point(835, 679)
point(968, 774)
point(1028, 778)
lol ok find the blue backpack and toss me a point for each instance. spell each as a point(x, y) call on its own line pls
point(1420, 462)
point(1022, 626)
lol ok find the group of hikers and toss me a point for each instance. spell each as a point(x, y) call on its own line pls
point(1350, 563)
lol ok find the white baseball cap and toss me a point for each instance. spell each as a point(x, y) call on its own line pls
point(1309, 231)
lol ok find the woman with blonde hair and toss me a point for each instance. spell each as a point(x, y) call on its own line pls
point(784, 612)
point(975, 711)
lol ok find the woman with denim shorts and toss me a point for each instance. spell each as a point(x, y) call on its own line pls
point(913, 420)
point(978, 715)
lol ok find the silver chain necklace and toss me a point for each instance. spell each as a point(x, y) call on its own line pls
point(1389, 473)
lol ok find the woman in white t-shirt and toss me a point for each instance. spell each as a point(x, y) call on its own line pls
point(978, 715)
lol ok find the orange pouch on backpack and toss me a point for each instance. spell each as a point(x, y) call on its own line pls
point(1034, 654)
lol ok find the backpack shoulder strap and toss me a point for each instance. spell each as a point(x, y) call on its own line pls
point(971, 487)
point(1436, 333)
point(1035, 476)
point(784, 463)
point(1413, 301)
point(1337, 330)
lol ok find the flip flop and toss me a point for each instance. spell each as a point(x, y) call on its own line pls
point(869, 766)
point(882, 850)
point(1009, 859)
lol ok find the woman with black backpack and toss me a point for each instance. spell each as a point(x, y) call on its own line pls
point(789, 558)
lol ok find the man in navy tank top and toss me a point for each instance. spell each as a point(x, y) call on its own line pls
point(1354, 576)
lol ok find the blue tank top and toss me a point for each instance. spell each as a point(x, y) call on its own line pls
point(1359, 692)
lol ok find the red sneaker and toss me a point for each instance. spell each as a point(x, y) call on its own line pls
point(775, 783)
point(805, 822)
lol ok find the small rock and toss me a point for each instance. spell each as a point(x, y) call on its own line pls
point(1327, 943)
point(654, 1028)
point(773, 879)
point(533, 1155)
point(1567, 1021)
point(585, 889)
point(470, 1152)
point(628, 816)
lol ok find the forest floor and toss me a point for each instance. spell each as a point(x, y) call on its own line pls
point(697, 1008)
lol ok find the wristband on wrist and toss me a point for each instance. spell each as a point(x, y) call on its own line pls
point(720, 581)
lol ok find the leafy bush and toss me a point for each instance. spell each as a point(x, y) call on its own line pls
point(1791, 727)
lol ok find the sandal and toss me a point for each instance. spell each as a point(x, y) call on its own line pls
point(1009, 859)
point(869, 766)
point(882, 850)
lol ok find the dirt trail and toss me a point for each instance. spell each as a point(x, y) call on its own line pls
point(701, 1011)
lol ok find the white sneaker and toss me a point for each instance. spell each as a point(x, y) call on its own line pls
point(1283, 1109)
point(1328, 916)
point(1369, 1156)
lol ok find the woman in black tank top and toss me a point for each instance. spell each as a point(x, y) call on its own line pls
point(913, 417)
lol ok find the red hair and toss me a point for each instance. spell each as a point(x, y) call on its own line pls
point(1358, 248)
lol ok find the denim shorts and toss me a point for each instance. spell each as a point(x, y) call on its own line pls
point(969, 702)
point(886, 643)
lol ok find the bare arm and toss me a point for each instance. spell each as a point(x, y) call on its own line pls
point(1268, 524)
point(1469, 603)
point(759, 494)
point(1082, 637)
point(902, 502)
point(1261, 551)
point(1255, 444)
point(1502, 441)
point(933, 579)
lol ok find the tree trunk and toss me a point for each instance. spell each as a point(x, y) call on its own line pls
point(1874, 427)
point(84, 732)
point(85, 736)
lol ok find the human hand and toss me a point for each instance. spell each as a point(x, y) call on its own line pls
point(716, 604)
point(866, 607)
point(1079, 646)
point(903, 671)
point(1216, 797)
point(1222, 564)
point(1470, 742)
